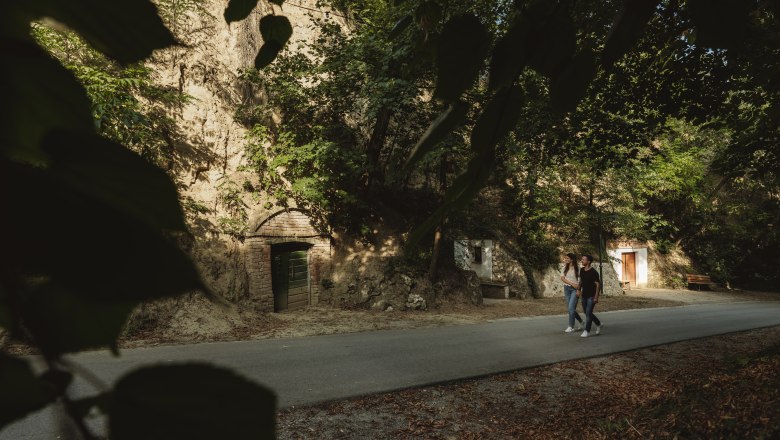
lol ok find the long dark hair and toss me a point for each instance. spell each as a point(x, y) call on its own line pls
point(573, 259)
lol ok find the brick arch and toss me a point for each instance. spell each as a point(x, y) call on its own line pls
point(290, 223)
point(285, 227)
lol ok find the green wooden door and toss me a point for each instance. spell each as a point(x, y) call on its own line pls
point(298, 280)
point(290, 280)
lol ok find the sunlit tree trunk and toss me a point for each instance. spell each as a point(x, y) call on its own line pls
point(438, 257)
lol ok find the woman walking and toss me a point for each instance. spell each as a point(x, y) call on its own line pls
point(571, 280)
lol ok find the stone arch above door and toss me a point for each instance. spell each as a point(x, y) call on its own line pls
point(287, 226)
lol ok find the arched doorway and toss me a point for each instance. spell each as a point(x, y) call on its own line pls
point(288, 258)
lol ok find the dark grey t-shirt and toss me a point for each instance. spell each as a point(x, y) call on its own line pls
point(588, 280)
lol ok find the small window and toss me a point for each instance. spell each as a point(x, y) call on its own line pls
point(478, 254)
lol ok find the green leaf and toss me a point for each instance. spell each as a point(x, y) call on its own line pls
point(6, 319)
point(460, 54)
point(569, 88)
point(445, 123)
point(43, 95)
point(627, 29)
point(551, 46)
point(22, 393)
point(463, 189)
point(57, 381)
point(82, 407)
point(15, 19)
point(425, 48)
point(499, 118)
point(539, 11)
point(428, 14)
point(509, 56)
point(125, 30)
point(84, 245)
point(416, 236)
point(118, 177)
point(63, 322)
point(275, 28)
point(400, 26)
point(720, 23)
point(459, 194)
point(238, 10)
point(191, 402)
point(267, 54)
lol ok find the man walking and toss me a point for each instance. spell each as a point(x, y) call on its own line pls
point(590, 288)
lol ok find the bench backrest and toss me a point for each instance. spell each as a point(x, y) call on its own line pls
point(698, 278)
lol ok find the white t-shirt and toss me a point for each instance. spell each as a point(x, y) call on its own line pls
point(571, 275)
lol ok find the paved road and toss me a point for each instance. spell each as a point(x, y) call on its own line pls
point(314, 369)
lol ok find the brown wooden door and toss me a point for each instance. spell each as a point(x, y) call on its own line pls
point(629, 268)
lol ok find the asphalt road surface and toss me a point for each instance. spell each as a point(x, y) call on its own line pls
point(321, 368)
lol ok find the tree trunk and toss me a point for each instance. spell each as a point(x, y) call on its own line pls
point(437, 259)
point(375, 173)
point(434, 268)
point(375, 176)
point(443, 174)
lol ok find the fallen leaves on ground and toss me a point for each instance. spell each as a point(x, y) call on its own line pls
point(721, 387)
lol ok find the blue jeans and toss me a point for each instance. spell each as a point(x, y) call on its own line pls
point(571, 302)
point(588, 304)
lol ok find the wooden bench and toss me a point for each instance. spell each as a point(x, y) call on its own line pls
point(494, 289)
point(699, 280)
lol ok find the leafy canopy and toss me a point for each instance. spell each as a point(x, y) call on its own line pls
point(94, 224)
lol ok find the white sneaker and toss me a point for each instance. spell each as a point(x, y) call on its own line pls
point(584, 334)
point(598, 329)
point(569, 330)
